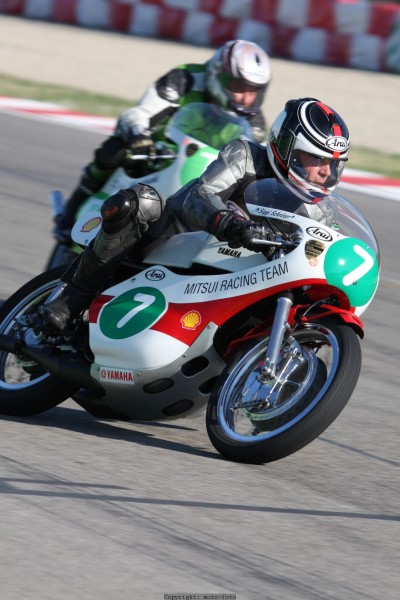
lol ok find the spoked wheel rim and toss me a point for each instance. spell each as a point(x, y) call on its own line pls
point(252, 408)
point(17, 373)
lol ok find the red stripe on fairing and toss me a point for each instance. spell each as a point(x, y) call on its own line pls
point(97, 305)
point(216, 311)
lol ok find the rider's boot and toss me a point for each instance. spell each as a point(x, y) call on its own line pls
point(122, 227)
point(76, 295)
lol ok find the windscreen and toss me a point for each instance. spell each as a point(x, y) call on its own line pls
point(210, 124)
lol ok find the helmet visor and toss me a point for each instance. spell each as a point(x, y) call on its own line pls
point(234, 85)
point(321, 171)
point(243, 97)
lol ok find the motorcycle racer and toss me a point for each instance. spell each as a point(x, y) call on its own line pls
point(235, 78)
point(306, 150)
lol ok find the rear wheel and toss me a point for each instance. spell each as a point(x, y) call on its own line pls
point(25, 388)
point(251, 418)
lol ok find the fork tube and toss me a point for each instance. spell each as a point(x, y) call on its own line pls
point(279, 327)
point(57, 202)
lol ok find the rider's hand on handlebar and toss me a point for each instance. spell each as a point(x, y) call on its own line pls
point(140, 144)
point(140, 149)
point(251, 232)
point(230, 227)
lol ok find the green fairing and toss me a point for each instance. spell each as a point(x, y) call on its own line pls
point(131, 312)
point(351, 266)
point(196, 164)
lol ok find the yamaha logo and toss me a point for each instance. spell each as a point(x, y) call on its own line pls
point(155, 275)
point(339, 144)
point(319, 234)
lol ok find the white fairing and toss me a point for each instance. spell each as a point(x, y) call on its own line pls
point(249, 274)
point(145, 330)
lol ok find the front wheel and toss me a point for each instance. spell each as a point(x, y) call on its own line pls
point(253, 419)
point(25, 388)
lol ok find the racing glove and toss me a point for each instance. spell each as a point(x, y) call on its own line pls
point(230, 227)
point(136, 145)
point(140, 144)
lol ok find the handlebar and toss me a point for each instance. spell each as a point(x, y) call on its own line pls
point(275, 243)
point(151, 156)
point(159, 151)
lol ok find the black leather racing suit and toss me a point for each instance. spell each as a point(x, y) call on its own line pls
point(137, 215)
point(221, 186)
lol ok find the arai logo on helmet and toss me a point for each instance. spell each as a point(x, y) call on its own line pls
point(338, 143)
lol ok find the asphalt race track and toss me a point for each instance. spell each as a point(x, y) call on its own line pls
point(110, 510)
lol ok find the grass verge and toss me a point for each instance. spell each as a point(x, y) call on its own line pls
point(109, 106)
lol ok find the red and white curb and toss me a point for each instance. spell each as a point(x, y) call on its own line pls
point(368, 183)
point(56, 113)
point(353, 33)
point(371, 183)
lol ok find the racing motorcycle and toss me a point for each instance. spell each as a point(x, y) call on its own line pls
point(267, 348)
point(191, 140)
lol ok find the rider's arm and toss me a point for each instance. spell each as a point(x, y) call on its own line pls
point(196, 202)
point(160, 100)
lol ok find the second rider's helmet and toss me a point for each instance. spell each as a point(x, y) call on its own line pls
point(238, 66)
point(308, 126)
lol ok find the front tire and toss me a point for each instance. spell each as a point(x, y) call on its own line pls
point(254, 420)
point(25, 389)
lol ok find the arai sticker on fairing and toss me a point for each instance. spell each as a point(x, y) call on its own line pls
point(132, 312)
point(351, 266)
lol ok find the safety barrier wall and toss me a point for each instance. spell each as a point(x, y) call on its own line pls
point(362, 34)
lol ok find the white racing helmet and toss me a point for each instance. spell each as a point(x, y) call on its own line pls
point(238, 66)
point(308, 126)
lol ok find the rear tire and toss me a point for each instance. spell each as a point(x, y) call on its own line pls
point(25, 389)
point(256, 421)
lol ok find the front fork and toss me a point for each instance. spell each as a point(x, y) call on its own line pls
point(280, 326)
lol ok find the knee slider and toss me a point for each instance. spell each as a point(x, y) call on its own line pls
point(119, 209)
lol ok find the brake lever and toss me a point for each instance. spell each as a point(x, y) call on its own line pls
point(276, 244)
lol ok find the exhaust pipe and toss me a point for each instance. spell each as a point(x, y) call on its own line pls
point(69, 368)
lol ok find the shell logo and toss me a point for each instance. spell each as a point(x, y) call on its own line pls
point(91, 224)
point(191, 320)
